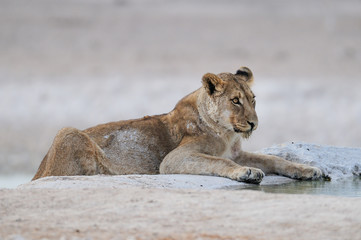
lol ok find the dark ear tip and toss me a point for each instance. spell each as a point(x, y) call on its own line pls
point(244, 71)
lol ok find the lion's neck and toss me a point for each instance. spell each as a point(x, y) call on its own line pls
point(206, 109)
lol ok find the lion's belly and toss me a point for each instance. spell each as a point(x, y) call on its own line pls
point(135, 151)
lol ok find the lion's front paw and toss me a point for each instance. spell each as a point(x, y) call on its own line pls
point(248, 175)
point(305, 172)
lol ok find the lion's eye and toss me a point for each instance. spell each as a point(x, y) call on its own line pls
point(236, 101)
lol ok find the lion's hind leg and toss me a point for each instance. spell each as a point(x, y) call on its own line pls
point(41, 168)
point(72, 153)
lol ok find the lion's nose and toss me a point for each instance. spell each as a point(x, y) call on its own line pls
point(252, 124)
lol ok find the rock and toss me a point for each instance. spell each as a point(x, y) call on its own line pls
point(336, 162)
point(146, 181)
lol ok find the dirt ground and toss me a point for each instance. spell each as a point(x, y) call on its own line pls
point(138, 213)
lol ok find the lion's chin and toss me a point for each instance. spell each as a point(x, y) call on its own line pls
point(245, 134)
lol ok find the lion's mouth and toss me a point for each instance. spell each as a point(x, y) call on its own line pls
point(241, 131)
point(245, 134)
point(237, 130)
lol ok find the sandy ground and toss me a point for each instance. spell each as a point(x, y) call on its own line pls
point(185, 206)
point(123, 212)
point(81, 63)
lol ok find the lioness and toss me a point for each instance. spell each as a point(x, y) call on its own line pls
point(202, 135)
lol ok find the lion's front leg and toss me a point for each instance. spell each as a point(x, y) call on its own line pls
point(181, 161)
point(276, 165)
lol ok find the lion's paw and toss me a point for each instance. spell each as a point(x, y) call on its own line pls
point(307, 173)
point(248, 175)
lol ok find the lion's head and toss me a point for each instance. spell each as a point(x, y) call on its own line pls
point(231, 101)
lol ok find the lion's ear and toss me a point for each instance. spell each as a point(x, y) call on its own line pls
point(246, 75)
point(212, 83)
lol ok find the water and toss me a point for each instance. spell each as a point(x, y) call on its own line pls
point(348, 187)
point(7, 181)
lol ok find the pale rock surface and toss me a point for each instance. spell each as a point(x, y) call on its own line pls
point(146, 181)
point(336, 162)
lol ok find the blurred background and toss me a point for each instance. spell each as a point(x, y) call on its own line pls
point(84, 62)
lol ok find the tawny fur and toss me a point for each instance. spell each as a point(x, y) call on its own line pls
point(202, 135)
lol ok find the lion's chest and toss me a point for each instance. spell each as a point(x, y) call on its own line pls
point(232, 147)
